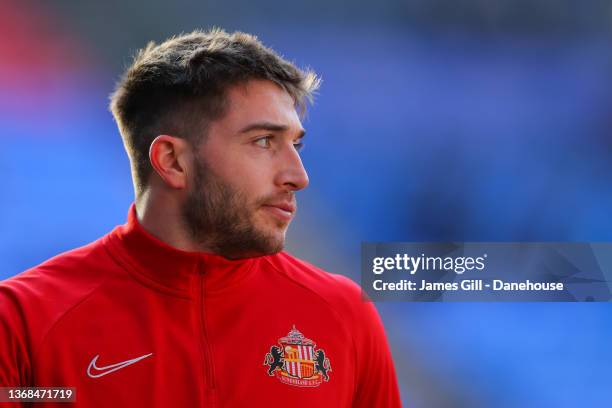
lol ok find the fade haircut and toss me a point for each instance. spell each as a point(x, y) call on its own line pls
point(178, 87)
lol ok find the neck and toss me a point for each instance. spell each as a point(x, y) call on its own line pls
point(161, 217)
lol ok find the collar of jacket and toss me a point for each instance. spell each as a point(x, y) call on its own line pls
point(168, 268)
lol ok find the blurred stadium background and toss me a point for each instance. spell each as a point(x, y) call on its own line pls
point(438, 120)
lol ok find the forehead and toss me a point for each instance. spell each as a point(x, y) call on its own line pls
point(258, 101)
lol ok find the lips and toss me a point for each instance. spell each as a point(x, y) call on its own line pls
point(282, 210)
point(288, 207)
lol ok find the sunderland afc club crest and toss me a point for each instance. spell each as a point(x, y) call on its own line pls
point(296, 361)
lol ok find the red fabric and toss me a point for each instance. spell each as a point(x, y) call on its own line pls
point(209, 323)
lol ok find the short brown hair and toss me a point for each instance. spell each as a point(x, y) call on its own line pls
point(178, 86)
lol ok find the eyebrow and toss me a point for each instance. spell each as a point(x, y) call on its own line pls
point(273, 127)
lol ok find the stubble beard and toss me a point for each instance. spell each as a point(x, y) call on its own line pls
point(220, 219)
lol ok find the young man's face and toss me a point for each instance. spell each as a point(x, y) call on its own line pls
point(242, 195)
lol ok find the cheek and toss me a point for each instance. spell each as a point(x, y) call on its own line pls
point(247, 171)
point(250, 181)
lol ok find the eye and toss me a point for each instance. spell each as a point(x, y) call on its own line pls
point(298, 146)
point(263, 141)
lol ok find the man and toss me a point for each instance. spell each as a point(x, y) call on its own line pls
point(192, 302)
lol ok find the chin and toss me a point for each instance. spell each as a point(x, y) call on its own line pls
point(270, 238)
point(275, 245)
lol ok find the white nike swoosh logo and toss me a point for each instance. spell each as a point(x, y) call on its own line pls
point(101, 371)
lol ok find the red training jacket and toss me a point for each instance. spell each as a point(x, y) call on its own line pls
point(133, 322)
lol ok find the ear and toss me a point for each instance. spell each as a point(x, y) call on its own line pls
point(170, 157)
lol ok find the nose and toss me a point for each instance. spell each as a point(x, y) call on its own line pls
point(292, 175)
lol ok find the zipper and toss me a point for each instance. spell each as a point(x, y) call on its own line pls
point(209, 372)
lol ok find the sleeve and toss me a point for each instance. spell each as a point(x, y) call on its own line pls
point(14, 357)
point(376, 379)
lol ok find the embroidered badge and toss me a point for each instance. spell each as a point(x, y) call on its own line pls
point(297, 361)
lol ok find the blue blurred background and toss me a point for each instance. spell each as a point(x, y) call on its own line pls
point(438, 120)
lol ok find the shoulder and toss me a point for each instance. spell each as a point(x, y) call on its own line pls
point(34, 300)
point(65, 272)
point(338, 290)
point(343, 296)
